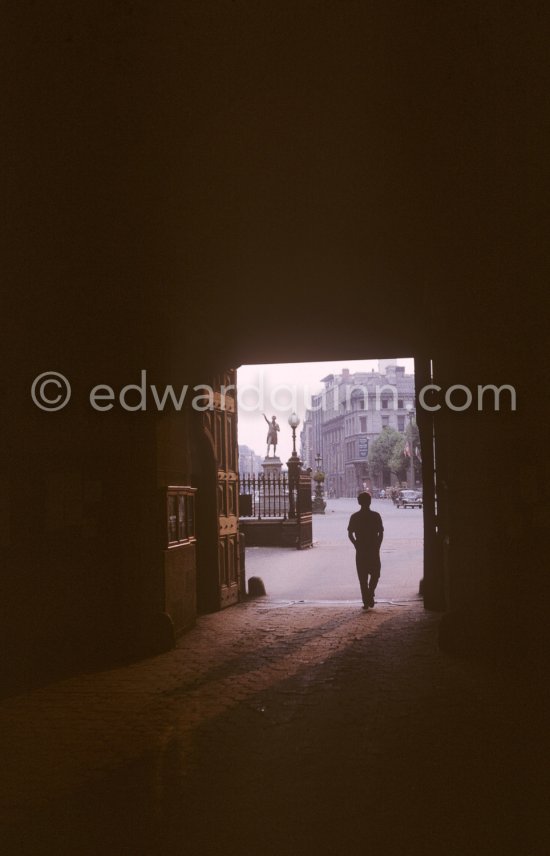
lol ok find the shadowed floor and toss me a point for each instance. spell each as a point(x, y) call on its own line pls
point(282, 729)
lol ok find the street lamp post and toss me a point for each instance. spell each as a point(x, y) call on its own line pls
point(293, 463)
point(319, 504)
point(412, 479)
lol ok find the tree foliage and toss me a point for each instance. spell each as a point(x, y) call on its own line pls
point(412, 438)
point(388, 452)
point(398, 461)
point(383, 449)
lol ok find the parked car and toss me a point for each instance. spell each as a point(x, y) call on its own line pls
point(409, 499)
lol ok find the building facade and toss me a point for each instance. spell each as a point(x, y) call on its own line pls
point(250, 463)
point(347, 416)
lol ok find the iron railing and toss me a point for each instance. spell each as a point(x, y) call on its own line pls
point(274, 496)
point(264, 496)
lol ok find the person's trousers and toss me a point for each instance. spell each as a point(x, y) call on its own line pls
point(368, 571)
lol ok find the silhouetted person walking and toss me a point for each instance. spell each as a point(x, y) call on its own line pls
point(366, 531)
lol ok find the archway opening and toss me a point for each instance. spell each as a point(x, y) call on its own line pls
point(358, 431)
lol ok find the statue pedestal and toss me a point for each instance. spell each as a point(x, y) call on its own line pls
point(318, 505)
point(272, 467)
point(272, 498)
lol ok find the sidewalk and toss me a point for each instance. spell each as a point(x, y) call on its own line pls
point(281, 729)
point(327, 571)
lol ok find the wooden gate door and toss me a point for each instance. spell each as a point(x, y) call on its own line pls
point(220, 424)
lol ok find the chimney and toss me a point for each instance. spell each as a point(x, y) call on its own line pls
point(384, 366)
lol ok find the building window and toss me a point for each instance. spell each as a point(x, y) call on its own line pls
point(400, 423)
point(385, 421)
point(400, 404)
point(363, 423)
point(180, 515)
point(385, 404)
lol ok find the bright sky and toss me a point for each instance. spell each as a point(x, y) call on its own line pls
point(279, 389)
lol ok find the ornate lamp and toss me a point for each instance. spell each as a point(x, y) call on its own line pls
point(294, 421)
point(293, 467)
point(319, 504)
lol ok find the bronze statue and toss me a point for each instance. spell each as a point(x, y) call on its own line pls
point(271, 434)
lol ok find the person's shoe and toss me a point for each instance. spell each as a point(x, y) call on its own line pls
point(371, 603)
point(365, 606)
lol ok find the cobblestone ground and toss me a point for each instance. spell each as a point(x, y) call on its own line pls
point(282, 729)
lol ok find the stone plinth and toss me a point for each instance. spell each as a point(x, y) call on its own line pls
point(318, 505)
point(272, 467)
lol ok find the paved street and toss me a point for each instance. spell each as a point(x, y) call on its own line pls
point(287, 728)
point(282, 729)
point(327, 570)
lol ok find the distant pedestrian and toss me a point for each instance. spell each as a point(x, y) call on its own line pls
point(366, 531)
